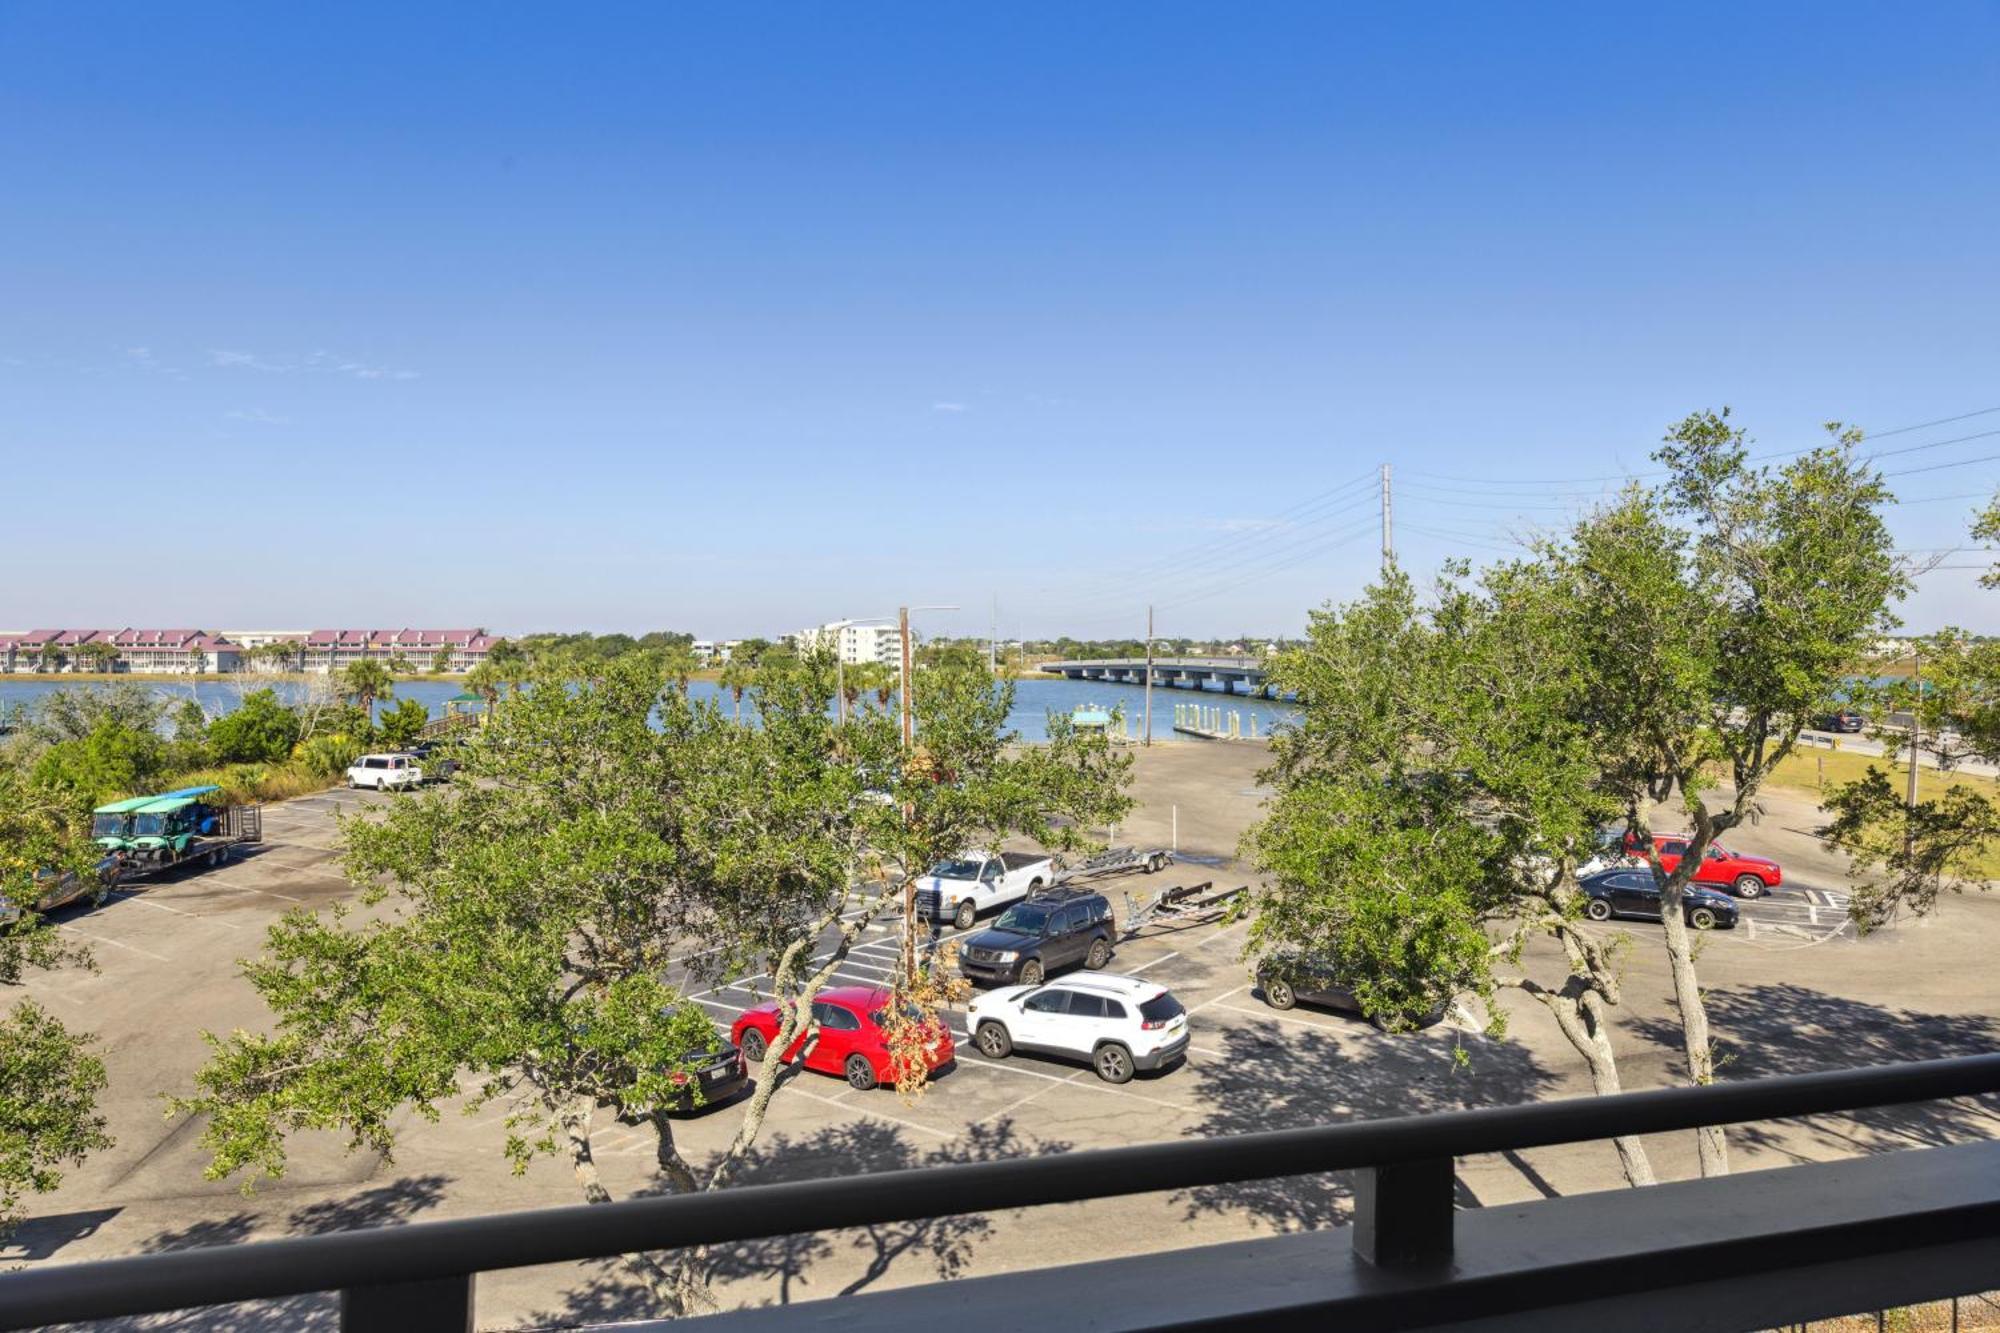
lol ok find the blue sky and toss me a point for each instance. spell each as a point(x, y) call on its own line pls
point(738, 318)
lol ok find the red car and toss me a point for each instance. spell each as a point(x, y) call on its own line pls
point(1744, 876)
point(851, 1041)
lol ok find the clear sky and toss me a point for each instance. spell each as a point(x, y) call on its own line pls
point(735, 318)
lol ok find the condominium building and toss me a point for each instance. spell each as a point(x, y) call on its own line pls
point(192, 650)
point(149, 650)
point(460, 649)
point(855, 642)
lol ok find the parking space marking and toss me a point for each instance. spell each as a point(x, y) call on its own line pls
point(1280, 1018)
point(1130, 971)
point(118, 944)
point(142, 901)
point(1220, 998)
point(862, 1110)
point(1000, 1067)
point(40, 987)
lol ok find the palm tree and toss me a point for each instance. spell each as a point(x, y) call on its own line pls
point(485, 680)
point(365, 682)
point(737, 676)
point(679, 664)
point(884, 680)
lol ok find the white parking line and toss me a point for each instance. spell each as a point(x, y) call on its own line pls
point(1220, 998)
point(1000, 1067)
point(862, 1110)
point(119, 944)
point(1281, 1018)
point(1132, 971)
point(1010, 1107)
point(193, 916)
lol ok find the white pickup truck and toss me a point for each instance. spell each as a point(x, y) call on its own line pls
point(960, 889)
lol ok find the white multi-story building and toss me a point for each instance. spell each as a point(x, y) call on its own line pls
point(855, 643)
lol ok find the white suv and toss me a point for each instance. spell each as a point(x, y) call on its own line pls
point(1119, 1024)
point(385, 772)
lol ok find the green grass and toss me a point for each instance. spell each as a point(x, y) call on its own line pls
point(1816, 772)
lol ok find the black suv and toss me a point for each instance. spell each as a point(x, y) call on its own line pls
point(1034, 938)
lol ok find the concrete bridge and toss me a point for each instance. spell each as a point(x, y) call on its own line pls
point(1232, 675)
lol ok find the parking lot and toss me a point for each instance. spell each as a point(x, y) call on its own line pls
point(1791, 989)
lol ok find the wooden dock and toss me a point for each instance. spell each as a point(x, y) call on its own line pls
point(1215, 724)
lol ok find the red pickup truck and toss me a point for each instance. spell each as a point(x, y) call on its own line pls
point(1744, 876)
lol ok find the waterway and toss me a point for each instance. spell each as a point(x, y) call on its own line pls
point(1034, 698)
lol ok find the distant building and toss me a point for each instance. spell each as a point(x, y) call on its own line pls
point(327, 650)
point(854, 643)
point(144, 650)
point(41, 651)
point(703, 650)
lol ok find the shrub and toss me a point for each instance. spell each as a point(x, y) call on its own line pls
point(262, 731)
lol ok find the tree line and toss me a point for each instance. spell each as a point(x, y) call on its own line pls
point(1466, 749)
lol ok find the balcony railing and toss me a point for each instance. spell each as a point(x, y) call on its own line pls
point(1752, 1250)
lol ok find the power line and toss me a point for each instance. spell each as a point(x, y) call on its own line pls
point(1939, 467)
point(1127, 585)
point(1941, 421)
point(1353, 534)
point(1755, 458)
point(1356, 487)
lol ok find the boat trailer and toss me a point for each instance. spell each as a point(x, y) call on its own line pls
point(1181, 905)
point(1115, 861)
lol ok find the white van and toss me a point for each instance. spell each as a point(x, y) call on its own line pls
point(385, 772)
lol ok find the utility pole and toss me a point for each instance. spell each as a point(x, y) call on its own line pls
point(993, 640)
point(1388, 531)
point(909, 883)
point(1910, 797)
point(1149, 675)
point(903, 692)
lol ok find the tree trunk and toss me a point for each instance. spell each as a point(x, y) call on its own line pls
point(671, 1290)
point(1582, 1019)
point(1710, 1146)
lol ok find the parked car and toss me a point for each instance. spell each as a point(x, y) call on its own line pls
point(1284, 979)
point(1840, 721)
point(386, 772)
point(1745, 876)
point(49, 889)
point(1632, 892)
point(721, 1078)
point(434, 759)
point(960, 889)
point(1034, 938)
point(1118, 1024)
point(852, 1043)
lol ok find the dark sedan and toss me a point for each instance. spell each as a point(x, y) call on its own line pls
point(1841, 721)
point(1610, 893)
point(720, 1078)
point(1285, 979)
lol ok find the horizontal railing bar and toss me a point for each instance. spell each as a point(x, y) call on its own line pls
point(180, 1279)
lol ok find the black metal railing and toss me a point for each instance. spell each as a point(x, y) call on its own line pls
point(421, 1275)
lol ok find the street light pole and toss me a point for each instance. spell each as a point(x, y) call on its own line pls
point(1149, 675)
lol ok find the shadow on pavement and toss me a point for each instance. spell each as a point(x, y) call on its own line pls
point(383, 1205)
point(1765, 1031)
point(941, 1245)
point(42, 1237)
point(1300, 1078)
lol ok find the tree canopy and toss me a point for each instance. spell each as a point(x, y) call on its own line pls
point(618, 849)
point(1462, 756)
